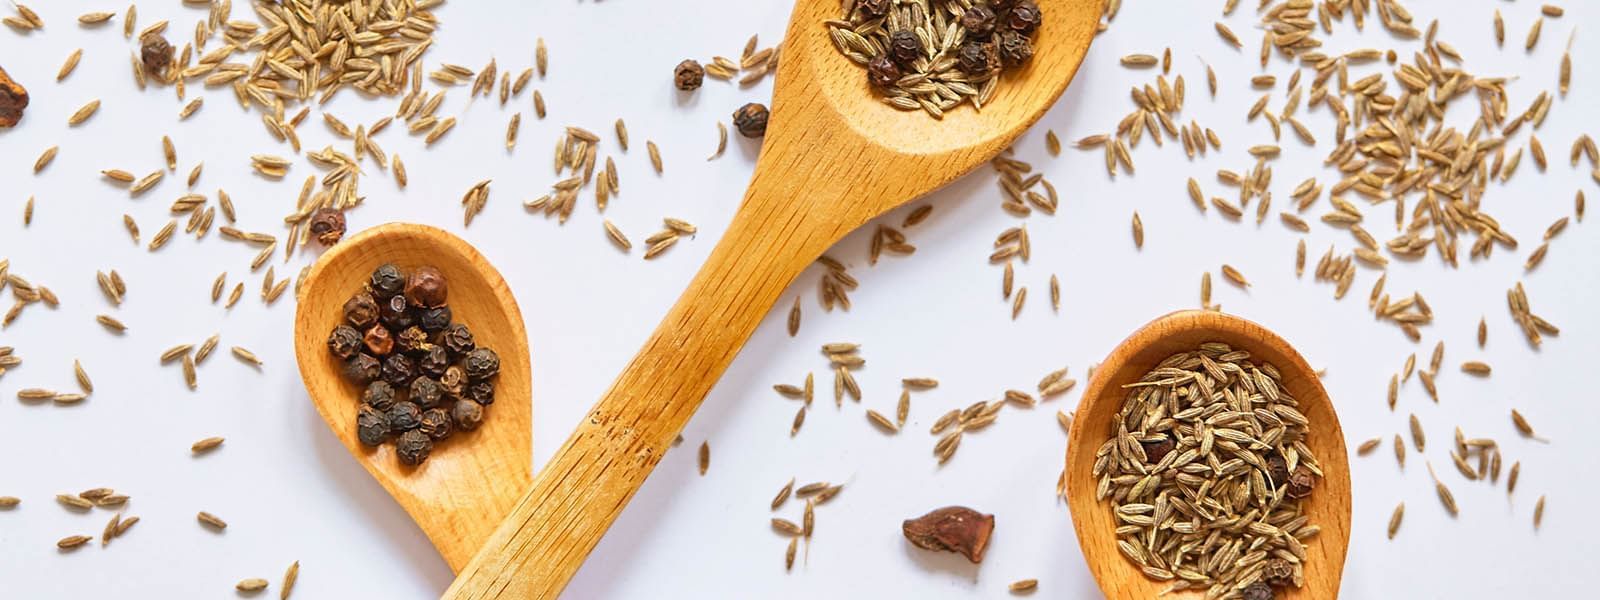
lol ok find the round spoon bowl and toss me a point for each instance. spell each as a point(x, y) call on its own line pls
point(1328, 506)
point(472, 479)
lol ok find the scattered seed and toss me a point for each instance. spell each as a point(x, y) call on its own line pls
point(253, 584)
point(1394, 519)
point(289, 577)
point(1233, 275)
point(211, 521)
point(705, 457)
point(205, 445)
point(72, 541)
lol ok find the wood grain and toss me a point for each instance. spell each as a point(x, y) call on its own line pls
point(1328, 506)
point(472, 479)
point(833, 158)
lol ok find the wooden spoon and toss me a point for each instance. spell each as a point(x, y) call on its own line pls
point(1328, 506)
point(834, 157)
point(459, 495)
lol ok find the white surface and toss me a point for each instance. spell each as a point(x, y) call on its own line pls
point(290, 492)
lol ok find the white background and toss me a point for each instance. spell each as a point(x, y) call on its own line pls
point(290, 492)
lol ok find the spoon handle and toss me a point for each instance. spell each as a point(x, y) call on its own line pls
point(576, 496)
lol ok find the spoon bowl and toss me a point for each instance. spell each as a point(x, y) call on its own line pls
point(473, 478)
point(1328, 506)
point(834, 157)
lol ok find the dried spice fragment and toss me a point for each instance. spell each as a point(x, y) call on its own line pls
point(13, 99)
point(951, 529)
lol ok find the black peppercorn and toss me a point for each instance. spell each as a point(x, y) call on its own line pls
point(399, 370)
point(426, 288)
point(412, 340)
point(1278, 573)
point(435, 423)
point(689, 75)
point(426, 392)
point(481, 392)
point(362, 369)
point(482, 364)
point(979, 21)
point(1257, 591)
point(361, 310)
point(457, 339)
point(378, 341)
point(413, 447)
point(1301, 481)
point(882, 72)
point(1023, 18)
point(386, 281)
point(873, 8)
point(155, 52)
point(454, 380)
point(904, 47)
point(403, 416)
point(372, 427)
point(1277, 469)
point(1155, 451)
point(379, 395)
point(751, 119)
point(975, 58)
point(468, 415)
point(434, 320)
point(434, 361)
point(327, 224)
point(344, 342)
point(1015, 48)
point(396, 313)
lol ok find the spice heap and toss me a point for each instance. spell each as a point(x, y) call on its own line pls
point(1205, 471)
point(933, 55)
point(424, 376)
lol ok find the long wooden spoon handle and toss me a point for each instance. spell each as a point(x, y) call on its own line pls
point(575, 498)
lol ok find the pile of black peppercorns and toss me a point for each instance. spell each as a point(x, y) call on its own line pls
point(424, 376)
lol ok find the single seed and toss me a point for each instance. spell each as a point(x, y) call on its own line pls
point(289, 577)
point(253, 584)
point(705, 457)
point(1394, 519)
point(1417, 438)
point(72, 541)
point(1025, 585)
point(84, 113)
point(783, 494)
point(1233, 275)
point(882, 422)
point(83, 377)
point(205, 445)
point(1538, 512)
point(211, 521)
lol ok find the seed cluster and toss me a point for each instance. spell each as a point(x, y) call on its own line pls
point(932, 55)
point(423, 375)
point(1205, 471)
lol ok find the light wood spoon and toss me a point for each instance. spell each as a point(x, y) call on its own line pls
point(460, 494)
point(833, 158)
point(1328, 506)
